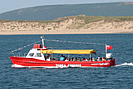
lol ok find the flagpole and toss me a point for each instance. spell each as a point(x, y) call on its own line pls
point(105, 49)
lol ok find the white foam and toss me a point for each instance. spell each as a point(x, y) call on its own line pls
point(125, 64)
point(17, 66)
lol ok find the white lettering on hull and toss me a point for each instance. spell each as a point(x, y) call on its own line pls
point(69, 65)
point(74, 65)
point(61, 65)
point(99, 64)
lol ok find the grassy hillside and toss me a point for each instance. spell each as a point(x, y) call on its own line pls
point(52, 12)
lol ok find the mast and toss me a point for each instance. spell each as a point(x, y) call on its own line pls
point(42, 41)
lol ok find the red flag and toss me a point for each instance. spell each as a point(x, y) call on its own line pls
point(109, 47)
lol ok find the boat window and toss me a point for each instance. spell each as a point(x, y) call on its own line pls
point(31, 54)
point(38, 55)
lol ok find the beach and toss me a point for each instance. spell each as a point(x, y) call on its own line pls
point(64, 32)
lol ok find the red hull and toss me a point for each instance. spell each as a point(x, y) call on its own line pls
point(32, 62)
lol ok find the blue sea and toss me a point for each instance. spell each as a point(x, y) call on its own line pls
point(117, 77)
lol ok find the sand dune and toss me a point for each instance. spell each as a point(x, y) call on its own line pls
point(68, 26)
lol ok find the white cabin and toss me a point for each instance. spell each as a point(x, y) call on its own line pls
point(36, 53)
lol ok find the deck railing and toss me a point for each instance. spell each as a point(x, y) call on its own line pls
point(19, 54)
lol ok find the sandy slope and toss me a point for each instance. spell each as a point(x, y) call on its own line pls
point(70, 26)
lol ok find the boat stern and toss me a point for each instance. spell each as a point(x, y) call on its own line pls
point(113, 62)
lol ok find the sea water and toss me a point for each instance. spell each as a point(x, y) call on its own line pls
point(118, 77)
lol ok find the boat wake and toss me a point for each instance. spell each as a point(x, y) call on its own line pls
point(17, 66)
point(125, 64)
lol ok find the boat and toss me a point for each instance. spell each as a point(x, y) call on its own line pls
point(42, 57)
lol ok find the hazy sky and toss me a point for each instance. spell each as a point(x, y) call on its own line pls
point(8, 5)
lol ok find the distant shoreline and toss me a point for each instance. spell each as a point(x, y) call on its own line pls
point(56, 32)
point(80, 24)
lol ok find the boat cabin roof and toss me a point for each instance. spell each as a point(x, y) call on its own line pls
point(49, 51)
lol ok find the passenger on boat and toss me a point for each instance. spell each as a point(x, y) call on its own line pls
point(79, 59)
point(62, 58)
point(103, 59)
point(89, 59)
point(98, 59)
point(75, 59)
point(84, 59)
point(48, 58)
point(70, 59)
point(93, 59)
point(66, 59)
point(54, 59)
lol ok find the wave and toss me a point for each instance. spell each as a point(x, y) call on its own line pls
point(125, 64)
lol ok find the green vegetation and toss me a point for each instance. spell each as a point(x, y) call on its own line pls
point(61, 19)
point(86, 19)
point(2, 21)
point(41, 22)
point(118, 19)
point(89, 19)
point(51, 12)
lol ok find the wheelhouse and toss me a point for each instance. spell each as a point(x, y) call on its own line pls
point(35, 53)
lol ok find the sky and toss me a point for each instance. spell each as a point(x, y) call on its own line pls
point(9, 5)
